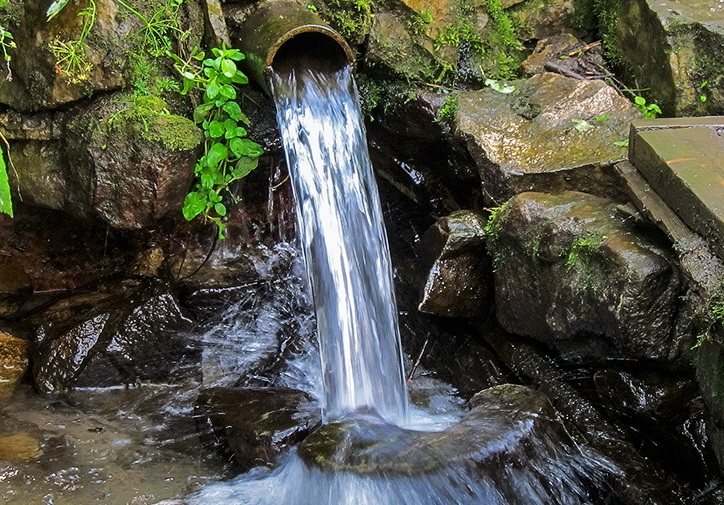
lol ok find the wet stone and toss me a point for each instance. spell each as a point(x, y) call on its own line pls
point(15, 287)
point(19, 447)
point(458, 282)
point(255, 425)
point(574, 273)
point(501, 420)
point(14, 353)
point(546, 136)
point(130, 332)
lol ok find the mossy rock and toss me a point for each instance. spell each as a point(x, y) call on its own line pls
point(132, 161)
point(671, 49)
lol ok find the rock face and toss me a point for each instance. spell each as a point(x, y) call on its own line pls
point(119, 336)
point(456, 284)
point(672, 48)
point(571, 272)
point(255, 424)
point(553, 133)
point(132, 161)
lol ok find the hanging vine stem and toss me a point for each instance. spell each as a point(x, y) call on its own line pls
point(7, 43)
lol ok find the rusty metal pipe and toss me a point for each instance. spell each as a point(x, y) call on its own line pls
point(280, 34)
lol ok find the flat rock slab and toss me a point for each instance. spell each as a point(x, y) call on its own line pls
point(553, 133)
point(683, 161)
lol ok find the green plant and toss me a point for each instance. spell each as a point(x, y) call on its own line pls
point(71, 58)
point(351, 18)
point(649, 110)
point(6, 201)
point(702, 91)
point(159, 26)
point(418, 23)
point(228, 154)
point(448, 110)
point(500, 86)
point(7, 43)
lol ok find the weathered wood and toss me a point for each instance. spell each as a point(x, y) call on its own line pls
point(683, 161)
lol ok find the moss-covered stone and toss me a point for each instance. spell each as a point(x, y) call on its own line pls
point(132, 161)
point(673, 50)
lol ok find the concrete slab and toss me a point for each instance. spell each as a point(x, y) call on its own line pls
point(682, 159)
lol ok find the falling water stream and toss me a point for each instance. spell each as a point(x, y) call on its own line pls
point(344, 243)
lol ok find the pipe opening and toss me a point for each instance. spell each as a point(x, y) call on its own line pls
point(315, 50)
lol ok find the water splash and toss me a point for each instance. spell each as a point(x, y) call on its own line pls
point(344, 243)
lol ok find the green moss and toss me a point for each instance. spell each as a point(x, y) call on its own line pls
point(149, 117)
point(582, 250)
point(448, 110)
point(351, 18)
point(382, 96)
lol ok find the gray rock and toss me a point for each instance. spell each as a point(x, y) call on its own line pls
point(119, 335)
point(458, 283)
point(535, 138)
point(670, 48)
point(574, 274)
point(131, 161)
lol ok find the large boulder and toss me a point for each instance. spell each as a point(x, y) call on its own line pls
point(131, 161)
point(121, 334)
point(672, 49)
point(551, 133)
point(573, 272)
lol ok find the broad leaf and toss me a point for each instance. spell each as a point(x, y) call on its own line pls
point(233, 110)
point(244, 166)
point(212, 89)
point(194, 204)
point(202, 112)
point(228, 67)
point(216, 129)
point(217, 153)
point(6, 202)
point(220, 209)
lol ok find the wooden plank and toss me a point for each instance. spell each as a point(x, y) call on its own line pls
point(685, 167)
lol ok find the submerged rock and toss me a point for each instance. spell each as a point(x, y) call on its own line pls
point(573, 273)
point(512, 445)
point(552, 133)
point(128, 333)
point(255, 425)
point(458, 283)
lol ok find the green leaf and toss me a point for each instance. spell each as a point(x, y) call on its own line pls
point(244, 166)
point(603, 117)
point(228, 67)
point(6, 202)
point(228, 91)
point(216, 129)
point(245, 147)
point(236, 132)
point(229, 125)
point(194, 204)
point(55, 8)
point(217, 153)
point(220, 209)
point(240, 78)
point(500, 87)
point(582, 125)
point(212, 89)
point(621, 143)
point(233, 110)
point(639, 100)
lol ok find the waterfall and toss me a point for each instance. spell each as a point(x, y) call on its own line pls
point(344, 243)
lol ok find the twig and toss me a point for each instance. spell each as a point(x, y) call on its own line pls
point(585, 48)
